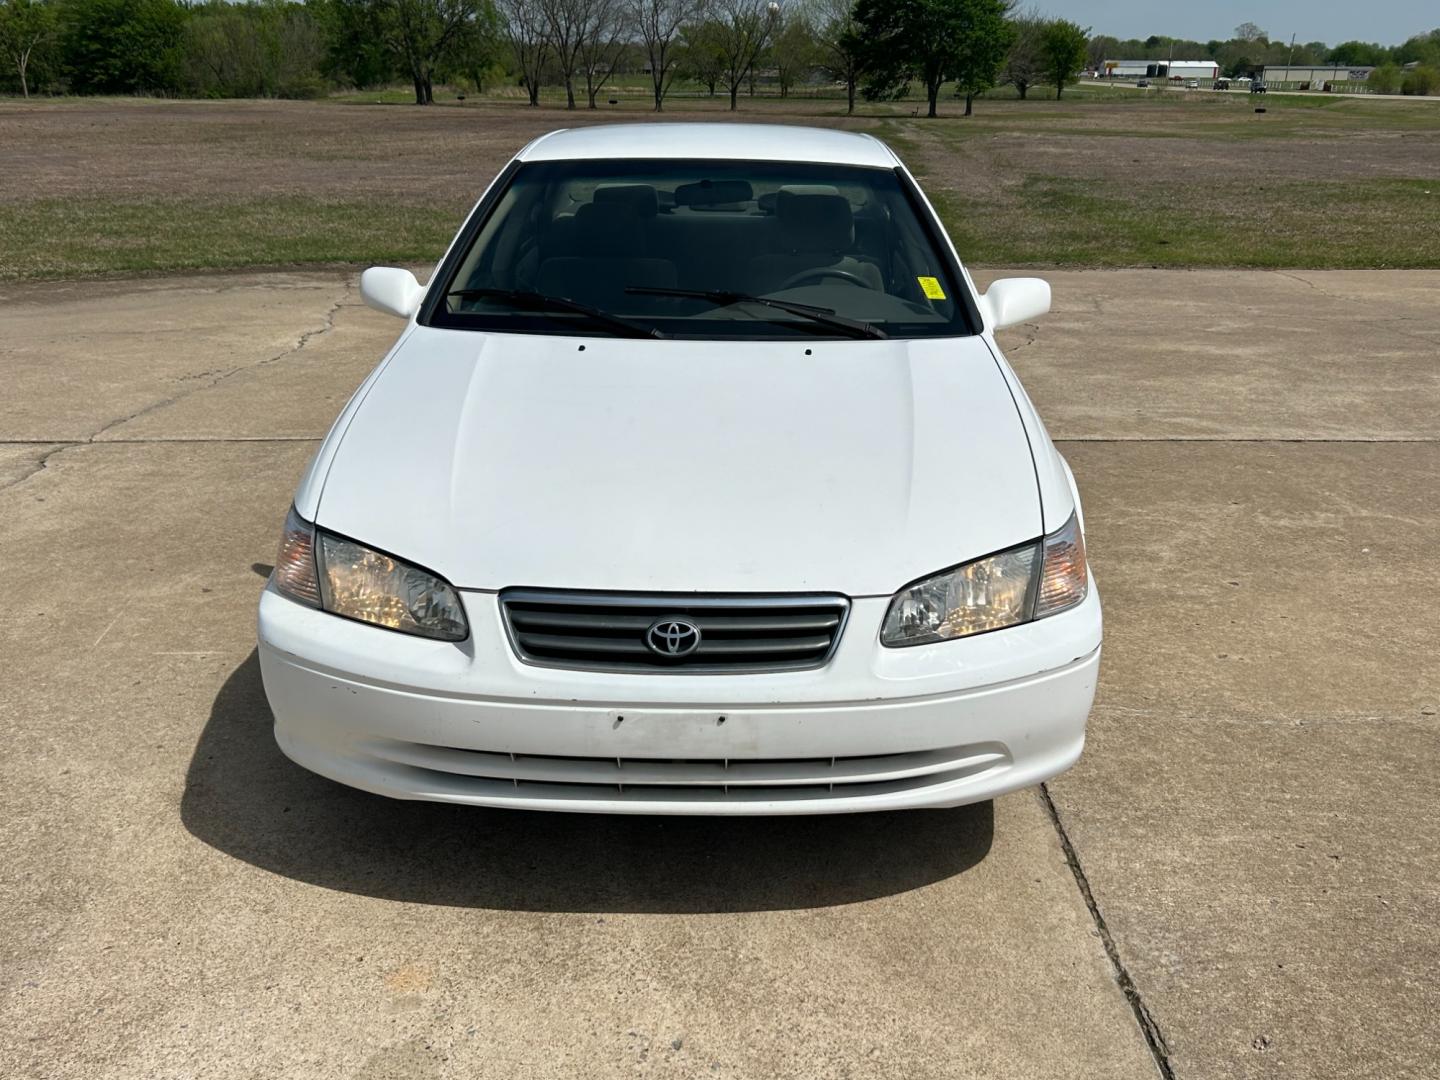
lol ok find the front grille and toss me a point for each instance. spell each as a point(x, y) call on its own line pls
point(609, 632)
point(465, 772)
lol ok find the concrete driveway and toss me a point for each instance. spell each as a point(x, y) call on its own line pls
point(1239, 879)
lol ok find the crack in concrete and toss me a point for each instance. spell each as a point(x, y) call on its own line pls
point(1033, 332)
point(327, 324)
point(40, 463)
point(1149, 1028)
point(1357, 300)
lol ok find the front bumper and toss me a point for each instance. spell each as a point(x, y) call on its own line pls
point(875, 729)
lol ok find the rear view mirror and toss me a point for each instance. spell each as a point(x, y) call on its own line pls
point(1015, 300)
point(714, 193)
point(391, 290)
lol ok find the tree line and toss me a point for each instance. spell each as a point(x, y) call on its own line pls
point(876, 49)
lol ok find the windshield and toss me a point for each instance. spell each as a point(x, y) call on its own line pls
point(690, 248)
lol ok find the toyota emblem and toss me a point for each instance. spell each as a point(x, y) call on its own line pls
point(672, 638)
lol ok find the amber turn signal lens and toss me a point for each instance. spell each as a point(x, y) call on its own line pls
point(295, 574)
point(1064, 579)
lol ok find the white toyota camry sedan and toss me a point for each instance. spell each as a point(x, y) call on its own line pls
point(695, 484)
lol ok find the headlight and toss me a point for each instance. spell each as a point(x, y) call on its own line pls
point(349, 579)
point(1006, 589)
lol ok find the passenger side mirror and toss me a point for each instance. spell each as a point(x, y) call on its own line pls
point(391, 290)
point(1015, 300)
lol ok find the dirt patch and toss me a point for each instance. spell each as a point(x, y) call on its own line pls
point(441, 156)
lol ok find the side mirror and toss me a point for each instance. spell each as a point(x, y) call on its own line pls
point(1015, 300)
point(391, 290)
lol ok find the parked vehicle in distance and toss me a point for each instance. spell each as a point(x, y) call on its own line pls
point(1192, 85)
point(696, 483)
point(1222, 84)
point(1257, 88)
point(1142, 83)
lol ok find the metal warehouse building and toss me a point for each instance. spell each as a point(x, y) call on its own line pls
point(1316, 77)
point(1162, 69)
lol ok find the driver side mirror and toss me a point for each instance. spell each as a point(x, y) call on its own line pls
point(1015, 300)
point(391, 290)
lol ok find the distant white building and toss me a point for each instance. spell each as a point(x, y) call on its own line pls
point(1314, 76)
point(1161, 69)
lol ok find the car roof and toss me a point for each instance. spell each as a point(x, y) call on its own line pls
point(737, 142)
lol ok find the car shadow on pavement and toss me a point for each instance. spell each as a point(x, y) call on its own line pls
point(243, 797)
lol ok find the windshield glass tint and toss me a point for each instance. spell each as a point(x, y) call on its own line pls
point(840, 238)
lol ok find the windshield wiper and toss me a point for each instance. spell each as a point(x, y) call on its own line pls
point(826, 316)
point(543, 302)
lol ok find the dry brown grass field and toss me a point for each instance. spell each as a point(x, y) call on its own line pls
point(103, 186)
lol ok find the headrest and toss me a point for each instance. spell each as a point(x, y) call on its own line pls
point(640, 198)
point(607, 229)
point(814, 222)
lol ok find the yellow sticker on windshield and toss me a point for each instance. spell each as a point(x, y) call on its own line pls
point(932, 288)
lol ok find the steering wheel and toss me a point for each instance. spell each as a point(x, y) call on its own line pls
point(818, 272)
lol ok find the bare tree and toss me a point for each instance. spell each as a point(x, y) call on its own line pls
point(601, 46)
point(841, 48)
point(1025, 62)
point(1248, 31)
point(658, 23)
point(742, 28)
point(529, 37)
point(572, 24)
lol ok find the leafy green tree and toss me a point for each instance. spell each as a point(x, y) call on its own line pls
point(794, 50)
point(933, 41)
point(1420, 49)
point(842, 50)
point(1421, 81)
point(27, 28)
point(122, 46)
point(1385, 79)
point(984, 34)
point(275, 49)
point(1063, 46)
point(356, 51)
point(1357, 54)
point(701, 58)
point(427, 37)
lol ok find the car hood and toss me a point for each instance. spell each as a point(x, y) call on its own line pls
point(748, 466)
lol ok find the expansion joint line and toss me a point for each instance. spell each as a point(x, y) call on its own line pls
point(1159, 1049)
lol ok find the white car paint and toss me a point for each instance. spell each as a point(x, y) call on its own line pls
point(601, 458)
point(836, 467)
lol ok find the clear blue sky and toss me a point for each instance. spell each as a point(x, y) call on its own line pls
point(1332, 21)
